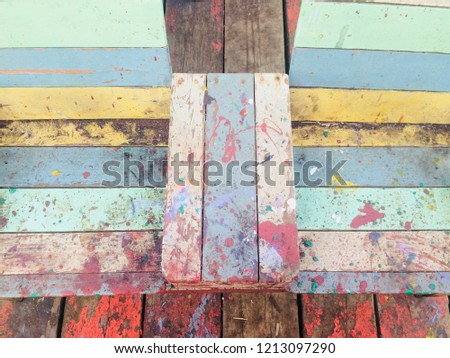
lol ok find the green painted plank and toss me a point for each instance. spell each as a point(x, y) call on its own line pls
point(373, 208)
point(82, 23)
point(88, 209)
point(374, 27)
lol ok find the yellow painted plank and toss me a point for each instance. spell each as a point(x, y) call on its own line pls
point(369, 135)
point(369, 106)
point(85, 103)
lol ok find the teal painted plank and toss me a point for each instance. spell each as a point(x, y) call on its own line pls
point(373, 166)
point(373, 27)
point(373, 208)
point(83, 166)
point(82, 23)
point(75, 67)
point(64, 210)
point(362, 69)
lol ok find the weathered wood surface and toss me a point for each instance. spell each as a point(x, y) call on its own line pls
point(338, 316)
point(88, 209)
point(85, 103)
point(277, 229)
point(83, 167)
point(256, 315)
point(195, 35)
point(374, 167)
point(291, 12)
point(22, 254)
point(84, 132)
point(254, 36)
point(103, 317)
point(367, 135)
point(373, 208)
point(375, 70)
point(182, 247)
point(183, 315)
point(81, 67)
point(413, 316)
point(230, 252)
point(29, 318)
point(393, 251)
point(82, 23)
point(443, 3)
point(370, 27)
point(365, 106)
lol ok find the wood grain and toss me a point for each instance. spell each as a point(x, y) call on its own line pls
point(291, 12)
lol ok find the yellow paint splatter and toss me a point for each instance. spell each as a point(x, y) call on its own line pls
point(55, 173)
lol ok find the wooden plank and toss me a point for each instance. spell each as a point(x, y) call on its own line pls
point(185, 20)
point(277, 228)
point(182, 248)
point(254, 36)
point(83, 23)
point(86, 103)
point(338, 316)
point(373, 208)
point(374, 167)
point(375, 70)
point(84, 167)
point(366, 135)
point(365, 106)
point(394, 251)
point(29, 318)
point(292, 12)
point(87, 209)
point(81, 67)
point(255, 315)
point(22, 254)
point(413, 316)
point(416, 28)
point(443, 3)
point(84, 132)
point(372, 282)
point(183, 315)
point(230, 252)
point(102, 317)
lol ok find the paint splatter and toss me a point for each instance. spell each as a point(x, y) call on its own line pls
point(408, 225)
point(55, 173)
point(86, 175)
point(371, 215)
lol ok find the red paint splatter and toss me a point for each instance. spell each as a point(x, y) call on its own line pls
point(229, 242)
point(6, 311)
point(408, 225)
point(86, 175)
point(363, 286)
point(371, 215)
point(217, 46)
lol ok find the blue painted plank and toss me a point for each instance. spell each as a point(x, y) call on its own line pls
point(370, 69)
point(82, 67)
point(230, 251)
point(373, 166)
point(83, 166)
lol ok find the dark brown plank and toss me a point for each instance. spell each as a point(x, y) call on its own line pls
point(259, 315)
point(254, 36)
point(195, 35)
point(29, 318)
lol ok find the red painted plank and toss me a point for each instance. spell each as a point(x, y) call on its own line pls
point(292, 8)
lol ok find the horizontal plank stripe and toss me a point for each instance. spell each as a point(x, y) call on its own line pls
point(84, 167)
point(24, 254)
point(82, 23)
point(66, 210)
point(443, 3)
point(367, 135)
point(369, 106)
point(84, 132)
point(373, 208)
point(379, 166)
point(85, 103)
point(370, 27)
point(419, 251)
point(95, 67)
point(377, 70)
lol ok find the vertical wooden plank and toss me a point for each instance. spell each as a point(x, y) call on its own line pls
point(195, 34)
point(29, 318)
point(183, 315)
point(102, 317)
point(292, 12)
point(230, 252)
point(338, 316)
point(181, 255)
point(413, 316)
point(259, 315)
point(277, 228)
point(254, 36)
